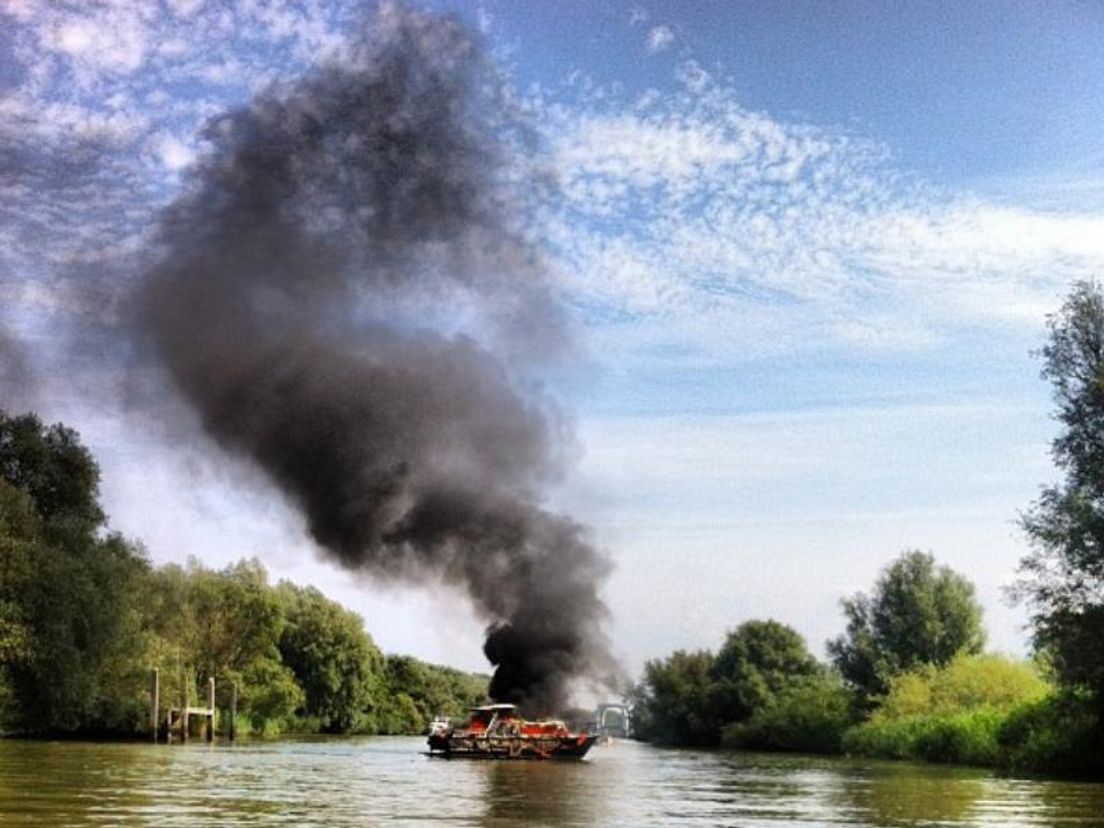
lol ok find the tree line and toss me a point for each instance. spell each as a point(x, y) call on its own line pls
point(84, 616)
point(909, 677)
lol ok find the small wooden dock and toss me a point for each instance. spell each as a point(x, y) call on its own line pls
point(178, 719)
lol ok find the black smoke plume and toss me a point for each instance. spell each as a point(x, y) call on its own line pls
point(346, 296)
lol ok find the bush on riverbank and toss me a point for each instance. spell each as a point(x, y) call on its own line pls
point(976, 709)
point(952, 714)
point(809, 716)
point(967, 683)
point(1061, 733)
point(969, 738)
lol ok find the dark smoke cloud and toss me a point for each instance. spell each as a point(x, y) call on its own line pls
point(345, 297)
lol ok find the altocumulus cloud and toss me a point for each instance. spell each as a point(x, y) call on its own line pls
point(691, 209)
point(679, 214)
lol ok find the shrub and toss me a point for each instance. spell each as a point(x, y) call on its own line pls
point(1057, 734)
point(967, 683)
point(964, 738)
point(808, 716)
point(953, 714)
point(986, 681)
point(969, 738)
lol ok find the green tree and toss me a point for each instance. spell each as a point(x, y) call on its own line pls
point(1063, 576)
point(417, 691)
point(224, 624)
point(673, 704)
point(68, 616)
point(332, 657)
point(757, 660)
point(917, 614)
point(400, 715)
point(18, 530)
point(18, 527)
point(83, 617)
point(51, 466)
point(79, 606)
point(808, 714)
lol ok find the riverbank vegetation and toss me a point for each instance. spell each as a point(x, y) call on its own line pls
point(976, 708)
point(909, 678)
point(84, 617)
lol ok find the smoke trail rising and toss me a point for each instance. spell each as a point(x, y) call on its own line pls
point(345, 297)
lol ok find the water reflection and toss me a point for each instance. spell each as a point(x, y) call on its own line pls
point(1020, 802)
point(367, 782)
point(539, 793)
point(895, 794)
point(57, 783)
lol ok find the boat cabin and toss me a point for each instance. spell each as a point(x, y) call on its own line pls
point(485, 717)
point(504, 719)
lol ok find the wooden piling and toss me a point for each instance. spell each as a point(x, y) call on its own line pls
point(155, 698)
point(233, 709)
point(184, 709)
point(181, 718)
point(211, 709)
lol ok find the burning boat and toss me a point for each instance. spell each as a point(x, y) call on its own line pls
point(497, 731)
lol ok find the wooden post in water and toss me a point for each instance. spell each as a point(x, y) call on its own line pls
point(184, 708)
point(211, 709)
point(155, 698)
point(233, 708)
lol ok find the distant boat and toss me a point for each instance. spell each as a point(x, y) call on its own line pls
point(497, 731)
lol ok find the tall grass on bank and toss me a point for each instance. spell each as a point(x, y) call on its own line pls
point(970, 738)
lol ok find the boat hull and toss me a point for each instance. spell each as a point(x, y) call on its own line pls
point(457, 746)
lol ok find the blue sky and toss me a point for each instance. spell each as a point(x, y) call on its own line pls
point(807, 247)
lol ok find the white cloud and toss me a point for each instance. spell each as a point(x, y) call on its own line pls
point(97, 122)
point(172, 47)
point(184, 8)
point(660, 39)
point(111, 38)
point(174, 153)
point(690, 208)
point(21, 10)
point(75, 38)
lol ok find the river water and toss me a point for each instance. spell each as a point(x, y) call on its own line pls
point(388, 781)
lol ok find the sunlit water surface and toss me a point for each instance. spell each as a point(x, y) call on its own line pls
point(388, 781)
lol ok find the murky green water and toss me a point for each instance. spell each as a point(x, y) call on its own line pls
point(389, 782)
